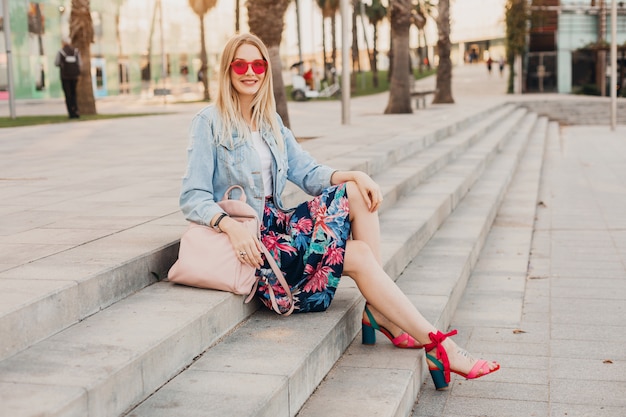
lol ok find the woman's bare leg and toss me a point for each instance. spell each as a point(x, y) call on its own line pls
point(366, 228)
point(384, 295)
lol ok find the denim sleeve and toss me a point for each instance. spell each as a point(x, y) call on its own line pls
point(196, 198)
point(303, 169)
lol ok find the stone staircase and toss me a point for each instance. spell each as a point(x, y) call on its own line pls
point(118, 340)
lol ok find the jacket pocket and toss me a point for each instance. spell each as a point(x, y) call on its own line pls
point(232, 153)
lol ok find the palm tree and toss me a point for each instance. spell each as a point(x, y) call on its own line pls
point(401, 79)
point(201, 7)
point(329, 9)
point(443, 93)
point(266, 19)
point(81, 36)
point(375, 12)
point(516, 16)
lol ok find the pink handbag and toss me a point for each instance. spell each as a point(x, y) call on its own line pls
point(207, 259)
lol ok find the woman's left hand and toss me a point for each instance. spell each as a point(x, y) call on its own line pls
point(370, 190)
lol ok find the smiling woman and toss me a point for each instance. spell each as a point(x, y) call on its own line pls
point(241, 141)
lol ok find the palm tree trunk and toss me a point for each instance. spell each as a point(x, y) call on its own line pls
point(279, 85)
point(355, 48)
point(324, 60)
point(333, 29)
point(444, 70)
point(203, 59)
point(237, 15)
point(81, 34)
point(266, 19)
point(400, 86)
point(375, 58)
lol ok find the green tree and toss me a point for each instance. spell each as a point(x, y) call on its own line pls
point(443, 93)
point(375, 12)
point(401, 79)
point(516, 16)
point(81, 36)
point(201, 8)
point(266, 19)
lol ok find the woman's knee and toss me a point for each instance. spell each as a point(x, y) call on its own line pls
point(353, 191)
point(358, 257)
point(355, 198)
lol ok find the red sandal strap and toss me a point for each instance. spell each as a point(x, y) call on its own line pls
point(442, 355)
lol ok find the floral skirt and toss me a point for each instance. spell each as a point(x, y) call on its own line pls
point(308, 244)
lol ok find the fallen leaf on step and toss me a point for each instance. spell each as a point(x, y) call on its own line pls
point(536, 277)
point(518, 331)
point(607, 361)
point(541, 204)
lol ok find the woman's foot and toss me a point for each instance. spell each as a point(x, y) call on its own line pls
point(373, 320)
point(445, 356)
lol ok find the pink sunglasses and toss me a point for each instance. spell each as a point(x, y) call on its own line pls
point(240, 66)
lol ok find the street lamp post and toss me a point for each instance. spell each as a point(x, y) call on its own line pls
point(7, 42)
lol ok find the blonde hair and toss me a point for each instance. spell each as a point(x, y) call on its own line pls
point(263, 104)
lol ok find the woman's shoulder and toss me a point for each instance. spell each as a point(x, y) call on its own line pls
point(208, 112)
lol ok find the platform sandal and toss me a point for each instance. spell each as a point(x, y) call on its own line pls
point(369, 327)
point(440, 372)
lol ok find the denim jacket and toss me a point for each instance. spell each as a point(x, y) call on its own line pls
point(213, 167)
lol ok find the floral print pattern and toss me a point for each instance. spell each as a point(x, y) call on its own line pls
point(308, 244)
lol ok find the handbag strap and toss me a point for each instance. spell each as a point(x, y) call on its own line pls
point(242, 197)
point(270, 260)
point(281, 281)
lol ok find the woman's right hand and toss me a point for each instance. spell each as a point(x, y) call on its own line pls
point(243, 242)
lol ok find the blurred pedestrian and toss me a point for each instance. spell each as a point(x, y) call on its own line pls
point(68, 59)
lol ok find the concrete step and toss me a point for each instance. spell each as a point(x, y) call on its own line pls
point(62, 289)
point(577, 111)
point(270, 365)
point(383, 380)
point(142, 341)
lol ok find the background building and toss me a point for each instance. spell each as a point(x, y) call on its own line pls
point(141, 45)
point(137, 44)
point(582, 37)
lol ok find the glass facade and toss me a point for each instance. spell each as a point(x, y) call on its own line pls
point(579, 26)
point(139, 45)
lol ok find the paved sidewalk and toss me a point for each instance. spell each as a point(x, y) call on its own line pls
point(559, 330)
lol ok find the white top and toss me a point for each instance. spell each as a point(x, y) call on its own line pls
point(266, 161)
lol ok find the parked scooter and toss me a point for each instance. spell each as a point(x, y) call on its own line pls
point(302, 91)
